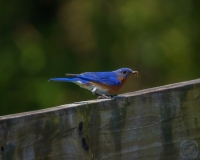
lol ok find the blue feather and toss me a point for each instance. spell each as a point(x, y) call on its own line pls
point(69, 80)
point(109, 78)
point(63, 79)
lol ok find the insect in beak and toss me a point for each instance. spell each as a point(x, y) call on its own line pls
point(135, 73)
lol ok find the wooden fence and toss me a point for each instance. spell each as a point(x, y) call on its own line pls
point(158, 123)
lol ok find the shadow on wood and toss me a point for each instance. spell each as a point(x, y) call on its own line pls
point(157, 123)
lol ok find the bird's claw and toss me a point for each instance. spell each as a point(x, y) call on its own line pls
point(105, 97)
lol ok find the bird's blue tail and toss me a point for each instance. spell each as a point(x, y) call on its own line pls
point(64, 79)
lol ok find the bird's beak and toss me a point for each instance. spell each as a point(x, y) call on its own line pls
point(135, 73)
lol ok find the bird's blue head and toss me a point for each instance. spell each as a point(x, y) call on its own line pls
point(125, 72)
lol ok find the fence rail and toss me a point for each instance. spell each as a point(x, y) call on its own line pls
point(157, 123)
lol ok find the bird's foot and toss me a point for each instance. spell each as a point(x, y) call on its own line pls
point(105, 97)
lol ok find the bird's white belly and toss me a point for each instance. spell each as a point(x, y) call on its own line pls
point(98, 89)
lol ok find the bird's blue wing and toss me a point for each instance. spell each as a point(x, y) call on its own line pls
point(109, 78)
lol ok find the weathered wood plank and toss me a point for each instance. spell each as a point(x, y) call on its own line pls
point(156, 123)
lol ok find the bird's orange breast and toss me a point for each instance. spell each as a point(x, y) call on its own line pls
point(115, 89)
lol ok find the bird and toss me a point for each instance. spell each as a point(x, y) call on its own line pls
point(103, 84)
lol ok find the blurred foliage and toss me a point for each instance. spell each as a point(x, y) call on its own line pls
point(46, 38)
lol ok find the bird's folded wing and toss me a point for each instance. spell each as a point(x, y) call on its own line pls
point(109, 78)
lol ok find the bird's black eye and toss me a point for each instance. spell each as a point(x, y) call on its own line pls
point(124, 72)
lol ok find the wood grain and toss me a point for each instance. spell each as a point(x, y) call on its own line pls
point(157, 123)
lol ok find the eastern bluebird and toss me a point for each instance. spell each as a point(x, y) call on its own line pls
point(103, 84)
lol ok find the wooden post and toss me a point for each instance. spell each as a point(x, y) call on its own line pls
point(157, 123)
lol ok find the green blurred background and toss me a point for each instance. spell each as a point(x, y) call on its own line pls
point(41, 39)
